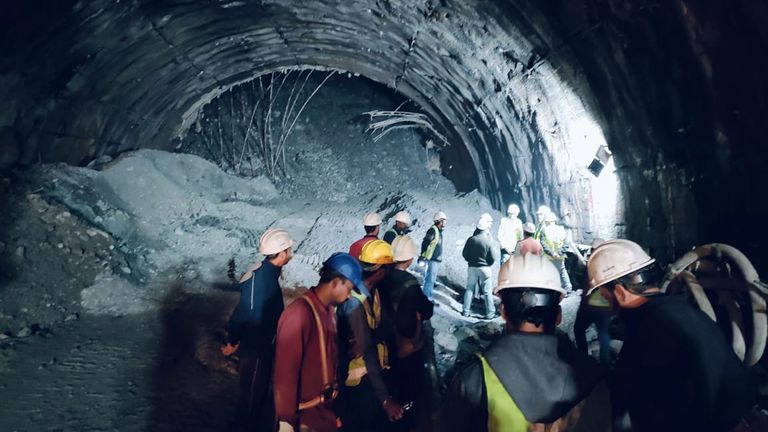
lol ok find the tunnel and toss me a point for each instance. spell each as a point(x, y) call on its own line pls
point(146, 145)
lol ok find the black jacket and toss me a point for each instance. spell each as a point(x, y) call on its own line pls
point(677, 372)
point(479, 250)
point(392, 234)
point(254, 321)
point(544, 374)
point(402, 297)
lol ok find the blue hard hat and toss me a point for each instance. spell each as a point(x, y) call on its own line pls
point(348, 267)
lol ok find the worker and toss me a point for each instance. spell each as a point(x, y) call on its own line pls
point(368, 404)
point(306, 359)
point(528, 244)
point(593, 309)
point(252, 327)
point(530, 379)
point(480, 254)
point(405, 302)
point(553, 242)
point(432, 253)
point(401, 227)
point(675, 370)
point(510, 232)
point(541, 214)
point(372, 225)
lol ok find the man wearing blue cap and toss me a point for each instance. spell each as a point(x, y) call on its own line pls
point(306, 358)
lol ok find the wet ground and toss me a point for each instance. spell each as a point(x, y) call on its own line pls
point(147, 372)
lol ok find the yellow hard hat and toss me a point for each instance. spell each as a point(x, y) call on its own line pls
point(377, 252)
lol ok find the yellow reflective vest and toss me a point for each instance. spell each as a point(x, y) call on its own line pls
point(357, 369)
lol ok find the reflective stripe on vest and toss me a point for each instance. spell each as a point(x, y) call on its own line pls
point(357, 369)
point(503, 413)
point(432, 245)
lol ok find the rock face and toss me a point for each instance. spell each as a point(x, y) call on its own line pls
point(522, 88)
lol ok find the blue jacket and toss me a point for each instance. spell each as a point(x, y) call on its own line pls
point(254, 321)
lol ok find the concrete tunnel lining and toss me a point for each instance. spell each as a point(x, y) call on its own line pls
point(200, 51)
point(493, 74)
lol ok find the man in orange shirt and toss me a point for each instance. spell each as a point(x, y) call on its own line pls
point(372, 224)
point(528, 244)
point(306, 357)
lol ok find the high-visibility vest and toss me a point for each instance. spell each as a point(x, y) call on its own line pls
point(357, 369)
point(432, 245)
point(503, 413)
point(553, 237)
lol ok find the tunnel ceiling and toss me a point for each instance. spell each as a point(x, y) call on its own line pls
point(510, 81)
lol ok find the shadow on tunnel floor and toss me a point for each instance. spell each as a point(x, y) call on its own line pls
point(194, 387)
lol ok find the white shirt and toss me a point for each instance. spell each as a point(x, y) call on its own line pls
point(510, 232)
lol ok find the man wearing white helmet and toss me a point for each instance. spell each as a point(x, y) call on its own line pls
point(541, 214)
point(480, 254)
point(553, 242)
point(407, 305)
point(675, 370)
point(372, 225)
point(432, 252)
point(252, 328)
point(401, 227)
point(530, 379)
point(510, 232)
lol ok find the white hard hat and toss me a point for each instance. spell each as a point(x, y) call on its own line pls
point(403, 217)
point(529, 271)
point(513, 208)
point(614, 259)
point(485, 222)
point(529, 228)
point(550, 217)
point(440, 216)
point(371, 219)
point(404, 248)
point(274, 240)
point(543, 210)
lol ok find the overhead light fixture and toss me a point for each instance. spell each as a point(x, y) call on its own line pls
point(602, 156)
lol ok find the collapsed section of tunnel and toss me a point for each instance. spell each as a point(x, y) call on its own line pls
point(515, 83)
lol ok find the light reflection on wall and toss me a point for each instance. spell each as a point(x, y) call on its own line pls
point(600, 207)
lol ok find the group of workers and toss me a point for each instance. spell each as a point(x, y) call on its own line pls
point(546, 238)
point(348, 354)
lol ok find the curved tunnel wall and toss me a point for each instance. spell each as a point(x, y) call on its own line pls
point(508, 81)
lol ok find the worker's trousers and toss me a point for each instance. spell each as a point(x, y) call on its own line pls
point(565, 281)
point(256, 410)
point(430, 277)
point(479, 276)
point(602, 320)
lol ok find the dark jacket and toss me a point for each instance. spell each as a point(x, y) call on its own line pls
point(355, 338)
point(677, 372)
point(254, 321)
point(479, 250)
point(548, 379)
point(432, 245)
point(402, 298)
point(393, 232)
